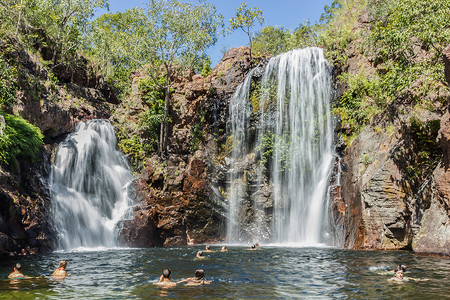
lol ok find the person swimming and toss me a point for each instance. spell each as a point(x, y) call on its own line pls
point(199, 278)
point(17, 273)
point(399, 268)
point(165, 278)
point(224, 249)
point(199, 254)
point(400, 278)
point(208, 249)
point(61, 271)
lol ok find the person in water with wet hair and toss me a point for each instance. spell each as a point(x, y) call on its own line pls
point(61, 271)
point(208, 249)
point(199, 254)
point(224, 249)
point(199, 278)
point(17, 273)
point(165, 278)
point(399, 275)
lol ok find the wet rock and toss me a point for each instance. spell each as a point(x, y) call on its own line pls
point(180, 192)
point(433, 235)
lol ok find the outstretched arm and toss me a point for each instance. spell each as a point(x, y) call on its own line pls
point(184, 280)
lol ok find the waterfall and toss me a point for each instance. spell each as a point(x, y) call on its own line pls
point(89, 187)
point(281, 157)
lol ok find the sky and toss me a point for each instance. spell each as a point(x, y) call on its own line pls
point(286, 13)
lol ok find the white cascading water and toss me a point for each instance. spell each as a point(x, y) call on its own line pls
point(294, 125)
point(89, 187)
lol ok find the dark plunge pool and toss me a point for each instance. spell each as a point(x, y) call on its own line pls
point(270, 273)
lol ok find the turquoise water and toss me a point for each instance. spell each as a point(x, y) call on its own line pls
point(268, 273)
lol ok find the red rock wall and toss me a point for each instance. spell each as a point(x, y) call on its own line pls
point(176, 202)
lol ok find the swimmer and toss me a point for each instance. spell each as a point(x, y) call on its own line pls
point(199, 254)
point(253, 247)
point(392, 272)
point(164, 280)
point(400, 278)
point(17, 273)
point(208, 249)
point(224, 249)
point(61, 271)
point(399, 267)
point(199, 279)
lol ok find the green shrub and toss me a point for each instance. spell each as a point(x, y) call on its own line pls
point(152, 118)
point(401, 32)
point(8, 83)
point(196, 137)
point(19, 139)
point(133, 147)
point(426, 149)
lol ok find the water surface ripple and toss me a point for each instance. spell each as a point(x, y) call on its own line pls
point(268, 273)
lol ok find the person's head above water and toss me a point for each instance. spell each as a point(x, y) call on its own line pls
point(63, 264)
point(199, 253)
point(253, 246)
point(200, 274)
point(400, 268)
point(208, 248)
point(18, 267)
point(166, 273)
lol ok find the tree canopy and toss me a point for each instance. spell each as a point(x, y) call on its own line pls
point(164, 37)
point(245, 19)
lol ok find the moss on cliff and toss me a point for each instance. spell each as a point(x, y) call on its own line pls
point(18, 139)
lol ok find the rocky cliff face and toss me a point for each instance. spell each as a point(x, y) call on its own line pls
point(55, 106)
point(394, 192)
point(177, 199)
point(390, 196)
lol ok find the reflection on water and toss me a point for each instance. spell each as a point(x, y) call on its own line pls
point(272, 273)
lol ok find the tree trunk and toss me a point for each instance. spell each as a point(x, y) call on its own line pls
point(164, 133)
point(56, 50)
point(250, 40)
point(18, 19)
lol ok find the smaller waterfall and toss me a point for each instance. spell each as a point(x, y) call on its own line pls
point(89, 187)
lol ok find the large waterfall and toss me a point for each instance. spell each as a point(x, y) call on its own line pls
point(281, 157)
point(89, 187)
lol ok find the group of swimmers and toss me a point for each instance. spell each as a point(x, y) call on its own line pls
point(164, 280)
point(198, 279)
point(59, 273)
point(199, 275)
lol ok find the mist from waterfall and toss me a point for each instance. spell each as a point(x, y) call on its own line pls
point(89, 187)
point(287, 133)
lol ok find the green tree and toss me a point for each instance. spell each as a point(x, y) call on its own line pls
point(65, 21)
point(12, 14)
point(116, 41)
point(271, 40)
point(304, 35)
point(245, 19)
point(330, 12)
point(177, 35)
point(165, 38)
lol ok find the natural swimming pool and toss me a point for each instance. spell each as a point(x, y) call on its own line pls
point(270, 273)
